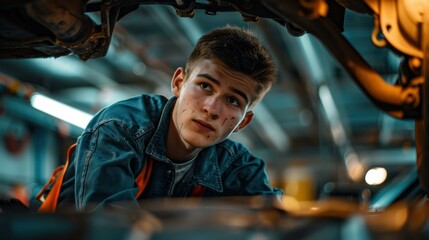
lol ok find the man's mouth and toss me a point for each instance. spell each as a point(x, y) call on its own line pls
point(205, 125)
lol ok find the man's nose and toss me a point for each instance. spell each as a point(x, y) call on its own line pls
point(212, 107)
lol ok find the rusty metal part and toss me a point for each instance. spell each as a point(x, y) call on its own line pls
point(73, 30)
point(387, 97)
point(312, 8)
point(185, 8)
point(65, 19)
point(400, 24)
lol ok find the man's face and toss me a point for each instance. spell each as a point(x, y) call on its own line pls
point(212, 103)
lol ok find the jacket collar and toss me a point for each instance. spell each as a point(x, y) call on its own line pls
point(157, 144)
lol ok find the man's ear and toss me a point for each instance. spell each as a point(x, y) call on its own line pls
point(177, 81)
point(246, 120)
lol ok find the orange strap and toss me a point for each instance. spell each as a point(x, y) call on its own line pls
point(143, 178)
point(197, 191)
point(50, 203)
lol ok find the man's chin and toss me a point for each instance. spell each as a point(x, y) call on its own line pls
point(199, 143)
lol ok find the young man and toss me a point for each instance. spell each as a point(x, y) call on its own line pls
point(227, 74)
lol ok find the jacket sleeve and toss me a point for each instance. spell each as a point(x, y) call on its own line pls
point(107, 162)
point(247, 176)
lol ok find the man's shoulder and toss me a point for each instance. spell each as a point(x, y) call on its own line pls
point(144, 101)
point(232, 148)
point(232, 152)
point(139, 110)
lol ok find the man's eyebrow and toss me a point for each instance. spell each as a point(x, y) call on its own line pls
point(215, 81)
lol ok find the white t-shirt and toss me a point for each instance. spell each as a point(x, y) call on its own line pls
point(182, 169)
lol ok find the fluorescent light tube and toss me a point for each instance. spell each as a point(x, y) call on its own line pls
point(60, 110)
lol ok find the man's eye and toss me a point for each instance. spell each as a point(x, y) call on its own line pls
point(234, 101)
point(205, 86)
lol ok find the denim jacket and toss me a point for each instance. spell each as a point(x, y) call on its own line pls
point(112, 151)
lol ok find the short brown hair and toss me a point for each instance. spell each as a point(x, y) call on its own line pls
point(241, 51)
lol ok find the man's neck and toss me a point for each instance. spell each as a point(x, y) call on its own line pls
point(177, 149)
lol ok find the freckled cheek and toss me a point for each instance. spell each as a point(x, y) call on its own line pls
point(231, 128)
point(187, 108)
point(231, 123)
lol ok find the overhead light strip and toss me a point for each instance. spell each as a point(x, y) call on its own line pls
point(60, 110)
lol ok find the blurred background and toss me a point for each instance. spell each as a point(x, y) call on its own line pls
point(318, 132)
